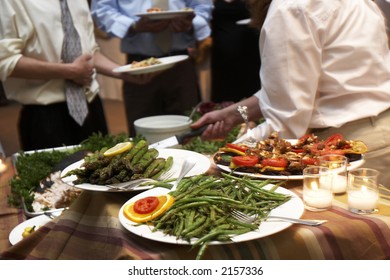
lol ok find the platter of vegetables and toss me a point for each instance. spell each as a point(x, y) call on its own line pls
point(128, 161)
point(277, 158)
point(197, 212)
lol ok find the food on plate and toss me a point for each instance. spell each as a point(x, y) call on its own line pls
point(124, 162)
point(53, 193)
point(154, 10)
point(277, 156)
point(28, 231)
point(199, 212)
point(147, 208)
point(144, 63)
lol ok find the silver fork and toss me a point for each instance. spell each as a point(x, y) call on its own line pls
point(138, 182)
point(240, 216)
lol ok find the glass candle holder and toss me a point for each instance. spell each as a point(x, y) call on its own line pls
point(363, 192)
point(317, 191)
point(3, 166)
point(337, 165)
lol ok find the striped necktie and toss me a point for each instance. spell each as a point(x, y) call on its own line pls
point(71, 49)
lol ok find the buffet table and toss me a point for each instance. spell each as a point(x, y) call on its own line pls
point(90, 230)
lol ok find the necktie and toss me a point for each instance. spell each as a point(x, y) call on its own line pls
point(163, 39)
point(71, 49)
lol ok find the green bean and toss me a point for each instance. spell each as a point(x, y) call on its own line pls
point(189, 220)
point(194, 225)
point(213, 234)
point(201, 251)
point(241, 224)
point(196, 231)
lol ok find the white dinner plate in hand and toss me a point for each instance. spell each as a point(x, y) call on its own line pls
point(166, 63)
point(166, 14)
point(16, 234)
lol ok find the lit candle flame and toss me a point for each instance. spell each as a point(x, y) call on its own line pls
point(3, 167)
point(314, 186)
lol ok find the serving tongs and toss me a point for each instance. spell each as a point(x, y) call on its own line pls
point(54, 213)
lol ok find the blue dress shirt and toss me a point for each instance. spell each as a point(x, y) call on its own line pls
point(116, 16)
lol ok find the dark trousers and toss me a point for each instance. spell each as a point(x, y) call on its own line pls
point(173, 92)
point(48, 126)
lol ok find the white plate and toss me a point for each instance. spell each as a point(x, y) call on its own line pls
point(352, 165)
point(202, 165)
point(166, 14)
point(166, 63)
point(16, 234)
point(293, 208)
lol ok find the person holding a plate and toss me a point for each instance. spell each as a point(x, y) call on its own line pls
point(325, 70)
point(39, 67)
point(157, 29)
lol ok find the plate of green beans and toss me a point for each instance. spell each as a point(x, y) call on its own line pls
point(200, 215)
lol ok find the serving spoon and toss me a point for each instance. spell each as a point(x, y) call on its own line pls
point(188, 164)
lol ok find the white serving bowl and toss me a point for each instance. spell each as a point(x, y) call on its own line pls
point(157, 128)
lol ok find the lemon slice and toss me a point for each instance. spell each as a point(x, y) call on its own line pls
point(118, 149)
point(165, 201)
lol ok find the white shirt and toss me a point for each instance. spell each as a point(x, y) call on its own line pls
point(324, 63)
point(33, 29)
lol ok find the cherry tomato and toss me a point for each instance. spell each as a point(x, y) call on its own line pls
point(146, 205)
point(245, 160)
point(334, 139)
point(275, 162)
point(241, 148)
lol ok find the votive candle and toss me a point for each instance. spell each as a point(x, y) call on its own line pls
point(339, 183)
point(320, 198)
point(363, 199)
point(3, 167)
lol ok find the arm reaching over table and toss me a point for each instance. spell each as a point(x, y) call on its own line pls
point(221, 122)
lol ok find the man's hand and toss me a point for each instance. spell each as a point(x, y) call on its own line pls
point(82, 70)
point(182, 24)
point(147, 25)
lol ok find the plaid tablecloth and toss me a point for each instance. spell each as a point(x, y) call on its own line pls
point(90, 230)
